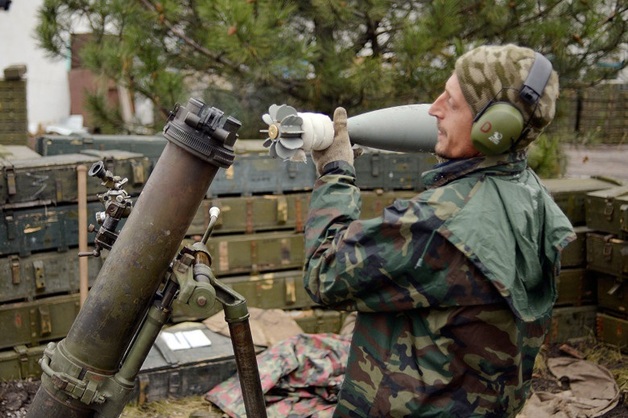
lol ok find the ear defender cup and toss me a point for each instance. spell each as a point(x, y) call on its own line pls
point(497, 128)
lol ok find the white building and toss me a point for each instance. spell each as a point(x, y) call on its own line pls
point(48, 94)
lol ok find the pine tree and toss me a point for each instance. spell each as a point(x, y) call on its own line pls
point(243, 55)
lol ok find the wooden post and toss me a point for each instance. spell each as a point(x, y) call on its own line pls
point(81, 171)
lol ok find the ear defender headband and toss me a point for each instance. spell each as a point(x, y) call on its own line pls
point(499, 126)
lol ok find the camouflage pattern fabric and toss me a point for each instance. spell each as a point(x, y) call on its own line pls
point(300, 378)
point(497, 72)
point(439, 332)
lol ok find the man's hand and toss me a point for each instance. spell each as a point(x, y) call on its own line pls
point(340, 148)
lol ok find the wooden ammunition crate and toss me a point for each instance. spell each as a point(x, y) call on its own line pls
point(33, 323)
point(391, 170)
point(612, 330)
point(12, 100)
point(21, 362)
point(53, 179)
point(248, 214)
point(253, 214)
point(273, 290)
point(12, 138)
point(570, 194)
point(571, 323)
point(46, 228)
point(314, 321)
point(17, 152)
point(255, 172)
point(43, 274)
point(574, 255)
point(576, 287)
point(607, 254)
point(612, 295)
point(607, 211)
point(150, 146)
point(13, 116)
point(603, 111)
point(256, 253)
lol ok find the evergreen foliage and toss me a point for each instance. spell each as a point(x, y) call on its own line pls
point(546, 157)
point(243, 55)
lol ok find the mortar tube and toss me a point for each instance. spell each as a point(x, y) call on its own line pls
point(129, 277)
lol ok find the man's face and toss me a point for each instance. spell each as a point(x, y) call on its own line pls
point(454, 120)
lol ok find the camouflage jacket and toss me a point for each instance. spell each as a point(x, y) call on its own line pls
point(453, 287)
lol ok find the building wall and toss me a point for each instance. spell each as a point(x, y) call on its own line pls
point(47, 91)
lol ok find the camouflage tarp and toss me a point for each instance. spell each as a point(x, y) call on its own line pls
point(300, 377)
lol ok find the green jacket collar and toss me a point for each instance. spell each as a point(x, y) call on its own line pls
point(504, 164)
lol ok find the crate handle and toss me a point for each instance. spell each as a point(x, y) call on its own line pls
point(615, 288)
point(39, 273)
point(11, 182)
point(282, 210)
point(15, 269)
point(608, 209)
point(45, 323)
point(291, 291)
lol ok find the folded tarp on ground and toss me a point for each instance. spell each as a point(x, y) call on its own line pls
point(300, 377)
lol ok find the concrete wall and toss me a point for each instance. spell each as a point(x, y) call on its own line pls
point(47, 94)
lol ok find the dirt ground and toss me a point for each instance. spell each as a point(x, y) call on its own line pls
point(609, 357)
point(611, 161)
point(16, 396)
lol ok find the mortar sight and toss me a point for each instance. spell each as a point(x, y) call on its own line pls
point(98, 170)
point(109, 180)
point(204, 131)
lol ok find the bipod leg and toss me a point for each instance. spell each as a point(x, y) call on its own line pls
point(237, 317)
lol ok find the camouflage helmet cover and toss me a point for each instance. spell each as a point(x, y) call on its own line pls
point(497, 73)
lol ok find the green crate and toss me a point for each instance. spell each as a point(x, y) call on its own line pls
point(571, 323)
point(612, 330)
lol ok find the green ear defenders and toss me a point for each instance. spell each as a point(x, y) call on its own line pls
point(500, 125)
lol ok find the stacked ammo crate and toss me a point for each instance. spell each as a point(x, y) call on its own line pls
point(602, 112)
point(607, 259)
point(39, 286)
point(575, 309)
point(13, 115)
point(591, 298)
point(258, 243)
point(594, 114)
point(257, 246)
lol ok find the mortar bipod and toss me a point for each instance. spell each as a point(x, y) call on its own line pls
point(191, 281)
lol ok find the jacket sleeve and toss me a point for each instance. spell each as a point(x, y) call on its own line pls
point(393, 262)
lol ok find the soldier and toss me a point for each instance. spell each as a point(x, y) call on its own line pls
point(454, 288)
